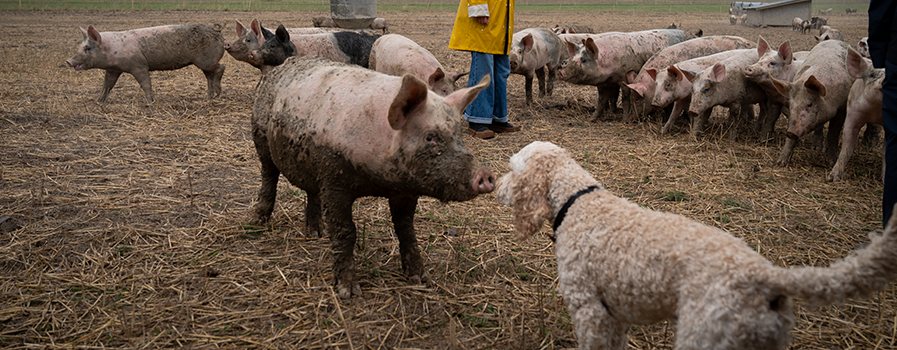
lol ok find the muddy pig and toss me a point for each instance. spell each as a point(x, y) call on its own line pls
point(817, 95)
point(863, 47)
point(830, 34)
point(724, 84)
point(323, 22)
point(643, 83)
point(863, 108)
point(326, 127)
point(674, 84)
point(606, 58)
point(345, 47)
point(397, 55)
point(533, 51)
point(380, 23)
point(572, 29)
point(140, 51)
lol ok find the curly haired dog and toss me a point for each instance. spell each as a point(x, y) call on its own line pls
point(620, 264)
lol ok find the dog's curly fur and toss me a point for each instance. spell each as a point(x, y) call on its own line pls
point(620, 264)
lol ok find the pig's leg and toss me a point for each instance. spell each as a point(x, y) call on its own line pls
point(313, 221)
point(848, 143)
point(402, 210)
point(108, 83)
point(678, 107)
point(143, 78)
point(872, 135)
point(787, 152)
point(834, 134)
point(540, 74)
point(339, 225)
point(769, 122)
point(603, 93)
point(626, 102)
point(549, 84)
point(270, 176)
point(698, 121)
point(213, 77)
point(736, 114)
point(818, 136)
point(529, 88)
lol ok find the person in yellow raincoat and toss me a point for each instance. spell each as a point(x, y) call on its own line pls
point(485, 28)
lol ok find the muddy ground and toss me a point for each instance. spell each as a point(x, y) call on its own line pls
point(127, 221)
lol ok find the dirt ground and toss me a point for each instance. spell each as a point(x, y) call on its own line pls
point(127, 221)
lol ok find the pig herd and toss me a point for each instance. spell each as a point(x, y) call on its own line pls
point(344, 114)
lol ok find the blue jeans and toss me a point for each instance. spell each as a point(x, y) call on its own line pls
point(492, 103)
point(889, 115)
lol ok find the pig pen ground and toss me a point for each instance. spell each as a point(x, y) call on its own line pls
point(128, 222)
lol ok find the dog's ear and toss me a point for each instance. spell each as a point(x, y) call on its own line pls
point(530, 196)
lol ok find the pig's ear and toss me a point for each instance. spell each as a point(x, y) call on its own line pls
point(817, 38)
point(591, 46)
point(718, 72)
point(674, 72)
point(571, 48)
point(453, 77)
point(412, 94)
point(94, 35)
point(861, 44)
point(783, 87)
point(461, 98)
point(652, 73)
point(259, 32)
point(690, 75)
point(282, 34)
point(83, 32)
point(527, 42)
point(240, 28)
point(856, 65)
point(762, 46)
point(814, 86)
point(436, 76)
point(785, 52)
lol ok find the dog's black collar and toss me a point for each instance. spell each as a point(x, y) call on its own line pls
point(560, 218)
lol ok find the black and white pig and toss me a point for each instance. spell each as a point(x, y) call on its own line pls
point(345, 47)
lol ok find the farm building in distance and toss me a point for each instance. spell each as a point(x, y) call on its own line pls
point(774, 13)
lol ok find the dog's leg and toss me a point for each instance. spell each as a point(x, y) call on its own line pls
point(596, 329)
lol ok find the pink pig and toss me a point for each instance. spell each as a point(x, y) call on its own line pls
point(773, 64)
point(397, 55)
point(863, 107)
point(674, 84)
point(341, 132)
point(724, 84)
point(140, 51)
point(817, 95)
point(607, 58)
point(643, 83)
point(533, 51)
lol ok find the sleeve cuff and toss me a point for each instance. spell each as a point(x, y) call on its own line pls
point(478, 10)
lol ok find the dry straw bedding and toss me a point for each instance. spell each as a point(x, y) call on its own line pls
point(132, 216)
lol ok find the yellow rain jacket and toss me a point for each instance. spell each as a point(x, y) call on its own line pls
point(493, 38)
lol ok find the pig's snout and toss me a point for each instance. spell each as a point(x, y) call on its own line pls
point(750, 71)
point(483, 181)
point(227, 46)
point(513, 65)
point(72, 64)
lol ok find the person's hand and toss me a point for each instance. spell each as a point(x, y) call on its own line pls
point(483, 20)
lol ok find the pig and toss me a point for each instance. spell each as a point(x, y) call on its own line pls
point(533, 51)
point(346, 47)
point(818, 95)
point(250, 39)
point(733, 19)
point(323, 22)
point(572, 29)
point(724, 84)
point(831, 34)
point(607, 58)
point(743, 19)
point(140, 51)
point(778, 64)
point(381, 24)
point(850, 10)
point(327, 128)
point(863, 47)
point(674, 26)
point(823, 29)
point(643, 84)
point(674, 84)
point(397, 55)
point(817, 22)
point(795, 23)
point(863, 108)
point(805, 27)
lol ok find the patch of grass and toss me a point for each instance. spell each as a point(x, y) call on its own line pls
point(674, 196)
point(731, 203)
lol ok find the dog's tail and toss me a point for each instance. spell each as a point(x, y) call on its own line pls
point(863, 272)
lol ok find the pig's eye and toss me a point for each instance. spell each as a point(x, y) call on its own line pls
point(705, 89)
point(430, 139)
point(772, 64)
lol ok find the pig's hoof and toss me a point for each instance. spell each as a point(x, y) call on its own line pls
point(347, 290)
point(423, 278)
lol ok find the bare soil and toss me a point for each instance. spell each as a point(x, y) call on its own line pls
point(127, 221)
